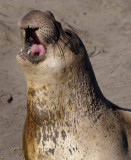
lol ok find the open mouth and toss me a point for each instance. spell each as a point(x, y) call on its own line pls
point(33, 50)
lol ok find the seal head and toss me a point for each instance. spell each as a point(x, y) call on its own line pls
point(47, 45)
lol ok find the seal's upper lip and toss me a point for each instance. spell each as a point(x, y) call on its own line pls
point(32, 45)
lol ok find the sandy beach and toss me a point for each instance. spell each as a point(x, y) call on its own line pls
point(105, 28)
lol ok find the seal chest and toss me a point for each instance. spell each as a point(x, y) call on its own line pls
point(68, 118)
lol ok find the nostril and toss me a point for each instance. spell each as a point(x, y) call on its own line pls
point(31, 30)
point(30, 34)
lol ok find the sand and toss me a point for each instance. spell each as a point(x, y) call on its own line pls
point(105, 28)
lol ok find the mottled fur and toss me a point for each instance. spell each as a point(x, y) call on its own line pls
point(68, 118)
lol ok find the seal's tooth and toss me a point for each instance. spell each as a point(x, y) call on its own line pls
point(28, 52)
point(21, 50)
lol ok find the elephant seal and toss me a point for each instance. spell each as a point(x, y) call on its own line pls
point(68, 117)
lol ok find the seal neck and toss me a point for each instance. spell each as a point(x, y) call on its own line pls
point(77, 91)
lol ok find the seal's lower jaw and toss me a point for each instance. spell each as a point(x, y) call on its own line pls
point(33, 51)
point(33, 58)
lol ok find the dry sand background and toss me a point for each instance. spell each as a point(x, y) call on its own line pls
point(105, 28)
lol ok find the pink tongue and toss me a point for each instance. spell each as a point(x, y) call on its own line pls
point(37, 49)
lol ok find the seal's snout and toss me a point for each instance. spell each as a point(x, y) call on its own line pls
point(34, 18)
point(39, 30)
point(44, 22)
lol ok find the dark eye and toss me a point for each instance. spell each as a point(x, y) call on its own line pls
point(68, 33)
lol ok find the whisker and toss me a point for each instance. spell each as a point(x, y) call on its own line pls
point(54, 54)
point(65, 44)
point(21, 36)
point(71, 48)
point(60, 49)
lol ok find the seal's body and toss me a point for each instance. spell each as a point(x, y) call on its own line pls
point(68, 118)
